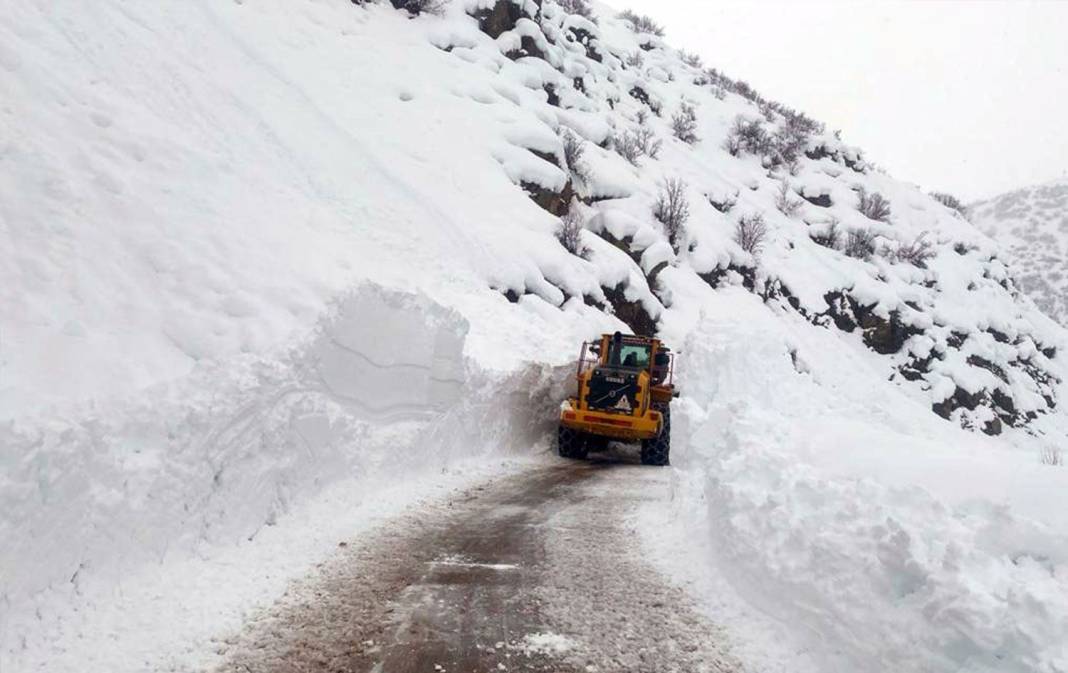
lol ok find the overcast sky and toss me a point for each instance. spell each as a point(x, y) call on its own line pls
point(965, 97)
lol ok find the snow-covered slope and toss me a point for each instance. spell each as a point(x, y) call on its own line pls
point(1031, 226)
point(250, 250)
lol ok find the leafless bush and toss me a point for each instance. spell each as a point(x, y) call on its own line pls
point(684, 123)
point(719, 92)
point(733, 144)
point(766, 110)
point(750, 233)
point(1051, 455)
point(580, 7)
point(627, 146)
point(569, 232)
point(417, 7)
point(648, 142)
point(787, 205)
point(637, 143)
point(672, 209)
point(748, 136)
point(915, 253)
point(790, 141)
point(873, 206)
point(860, 243)
point(831, 236)
point(641, 23)
point(636, 60)
point(574, 149)
point(692, 60)
point(949, 201)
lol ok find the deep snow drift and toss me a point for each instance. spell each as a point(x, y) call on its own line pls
point(252, 251)
point(1031, 225)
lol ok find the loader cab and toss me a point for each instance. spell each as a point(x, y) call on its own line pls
point(629, 355)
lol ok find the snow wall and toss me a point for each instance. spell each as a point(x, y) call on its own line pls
point(382, 390)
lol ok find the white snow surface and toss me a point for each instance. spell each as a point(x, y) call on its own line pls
point(253, 265)
point(1031, 225)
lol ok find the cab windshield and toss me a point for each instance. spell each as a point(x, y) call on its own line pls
point(629, 355)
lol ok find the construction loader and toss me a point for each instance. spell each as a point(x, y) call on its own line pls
point(625, 387)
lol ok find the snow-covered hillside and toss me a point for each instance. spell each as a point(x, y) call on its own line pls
point(251, 251)
point(1031, 226)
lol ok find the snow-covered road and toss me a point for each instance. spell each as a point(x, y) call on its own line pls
point(538, 571)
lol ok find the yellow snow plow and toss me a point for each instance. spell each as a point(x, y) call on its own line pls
point(625, 387)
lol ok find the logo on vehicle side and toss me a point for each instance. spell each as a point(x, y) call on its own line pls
point(623, 404)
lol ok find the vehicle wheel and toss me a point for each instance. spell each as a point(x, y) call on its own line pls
point(570, 444)
point(657, 451)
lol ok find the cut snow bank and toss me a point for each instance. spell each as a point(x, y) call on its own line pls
point(839, 518)
point(381, 392)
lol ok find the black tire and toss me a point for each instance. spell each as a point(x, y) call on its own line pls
point(657, 451)
point(570, 444)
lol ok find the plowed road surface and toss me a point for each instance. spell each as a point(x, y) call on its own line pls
point(535, 572)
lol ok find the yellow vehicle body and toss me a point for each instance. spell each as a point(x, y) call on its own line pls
point(624, 387)
point(632, 428)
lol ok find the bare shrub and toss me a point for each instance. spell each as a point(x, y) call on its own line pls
point(750, 233)
point(719, 92)
point(748, 136)
point(648, 142)
point(1051, 455)
point(873, 206)
point(790, 141)
point(574, 149)
point(672, 209)
point(637, 143)
point(636, 60)
point(580, 7)
point(417, 7)
point(684, 123)
point(860, 243)
point(766, 110)
point(830, 237)
point(692, 60)
point(627, 146)
point(950, 201)
point(915, 253)
point(787, 205)
point(733, 144)
point(569, 232)
point(640, 23)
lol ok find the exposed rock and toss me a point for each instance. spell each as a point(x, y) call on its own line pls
point(528, 47)
point(556, 203)
point(624, 244)
point(500, 18)
point(983, 363)
point(630, 312)
point(553, 98)
point(821, 200)
point(716, 277)
point(642, 96)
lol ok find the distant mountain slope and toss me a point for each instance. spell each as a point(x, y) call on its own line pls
point(1032, 226)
